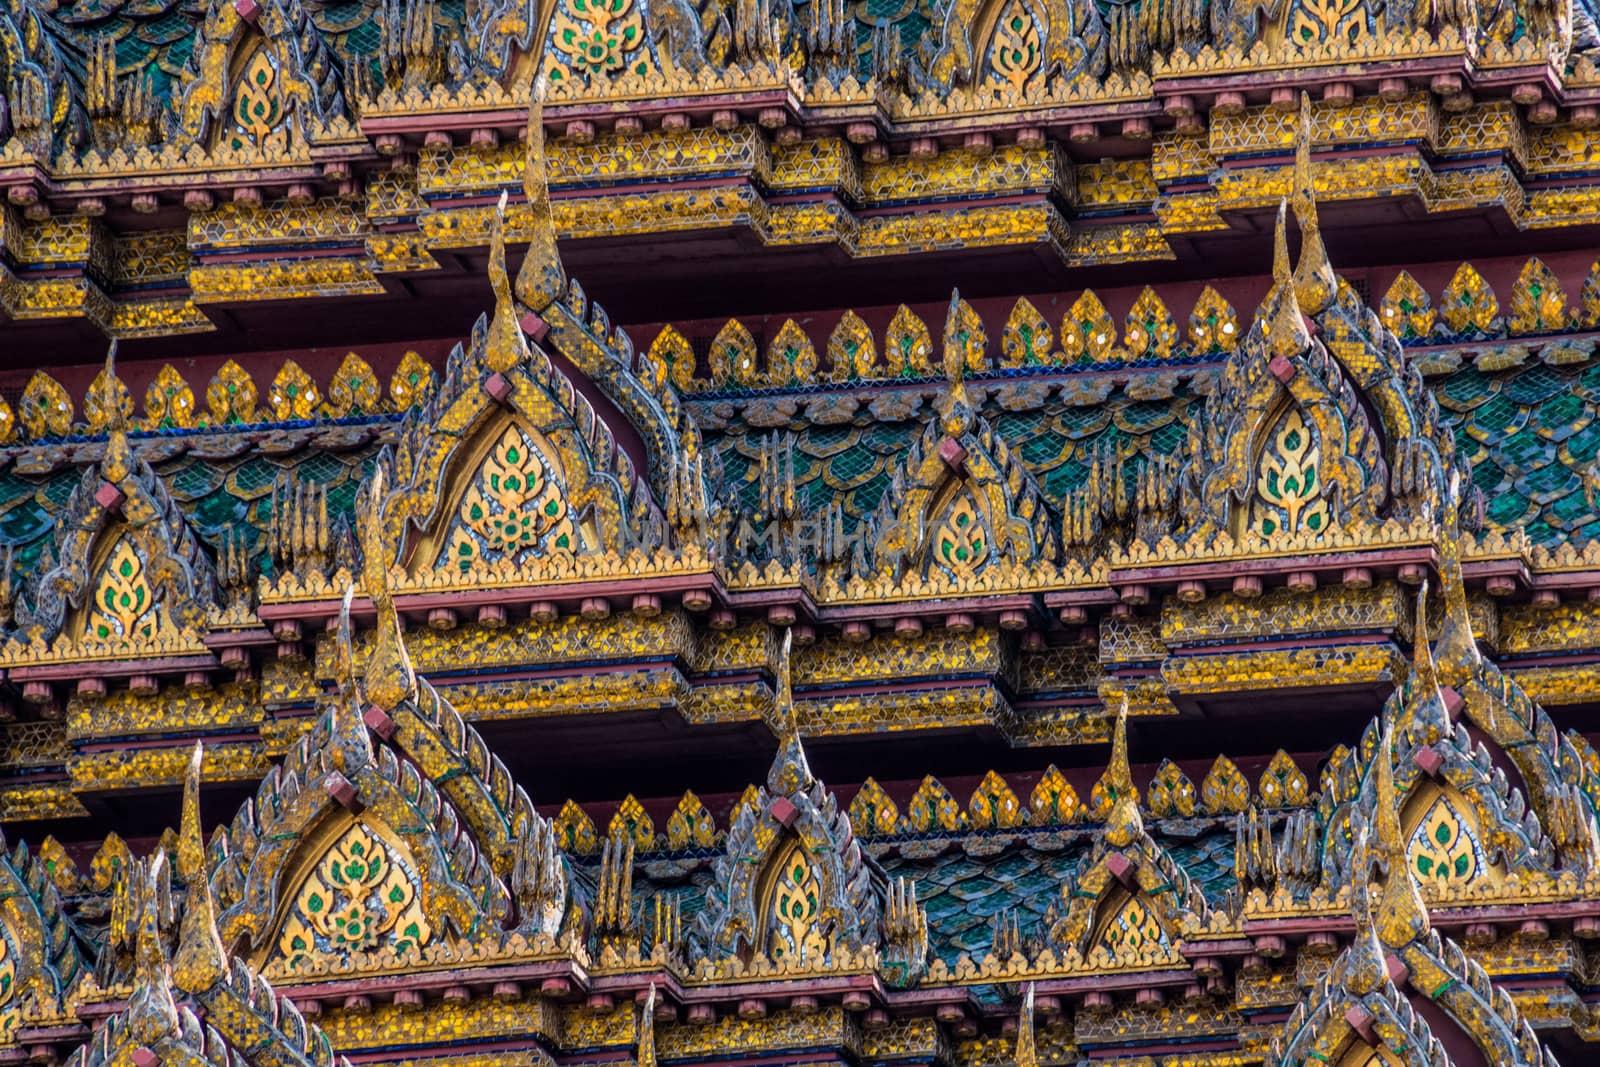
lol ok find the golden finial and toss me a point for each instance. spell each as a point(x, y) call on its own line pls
point(1287, 336)
point(200, 962)
point(1027, 1054)
point(344, 657)
point(958, 406)
point(790, 772)
point(1314, 280)
point(541, 280)
point(1457, 649)
point(1124, 825)
point(1402, 917)
point(118, 461)
point(1426, 717)
point(152, 1015)
point(506, 347)
point(645, 1051)
point(390, 680)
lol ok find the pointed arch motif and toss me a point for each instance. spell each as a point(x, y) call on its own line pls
point(128, 568)
point(962, 502)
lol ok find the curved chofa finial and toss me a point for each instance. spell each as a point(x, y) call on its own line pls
point(246, 1023)
point(792, 885)
point(1368, 999)
point(542, 279)
point(129, 572)
point(43, 952)
point(1127, 894)
point(1314, 280)
point(962, 503)
point(449, 847)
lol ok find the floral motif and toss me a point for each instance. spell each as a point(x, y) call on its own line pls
point(690, 825)
point(45, 408)
point(872, 811)
point(10, 1007)
point(994, 806)
point(791, 357)
point(1087, 333)
point(513, 505)
point(932, 807)
point(412, 382)
point(360, 894)
point(794, 935)
point(597, 35)
point(354, 389)
point(961, 545)
point(124, 604)
point(258, 108)
point(672, 352)
point(1149, 331)
point(1131, 928)
point(97, 414)
point(231, 397)
point(1407, 309)
point(1027, 337)
point(1015, 54)
point(1442, 850)
point(909, 346)
point(169, 402)
point(575, 831)
point(1538, 302)
point(293, 396)
point(1213, 325)
point(733, 356)
point(1288, 495)
point(1054, 801)
point(851, 351)
point(1468, 305)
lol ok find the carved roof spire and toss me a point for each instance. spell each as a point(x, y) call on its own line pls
point(1402, 916)
point(1026, 1055)
point(1427, 719)
point(1123, 825)
point(645, 1048)
point(118, 461)
point(958, 405)
point(1287, 336)
point(1314, 280)
point(506, 347)
point(1364, 967)
point(542, 278)
point(200, 960)
point(389, 680)
point(152, 1015)
point(1457, 648)
point(790, 772)
point(344, 656)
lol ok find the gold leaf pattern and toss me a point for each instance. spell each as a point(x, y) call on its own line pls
point(1538, 302)
point(169, 402)
point(1150, 332)
point(672, 351)
point(1407, 309)
point(124, 604)
point(1087, 333)
point(95, 414)
point(231, 396)
point(1132, 928)
point(1224, 790)
point(852, 353)
point(796, 902)
point(631, 820)
point(733, 356)
point(46, 410)
point(575, 830)
point(513, 506)
point(1171, 792)
point(1015, 55)
point(933, 808)
point(258, 105)
point(993, 805)
point(1468, 304)
point(872, 811)
point(690, 825)
point(965, 331)
point(960, 542)
point(293, 396)
point(1288, 497)
point(360, 894)
point(1213, 325)
point(1443, 849)
point(1054, 801)
point(1027, 339)
point(908, 345)
point(354, 389)
point(1283, 784)
point(791, 357)
point(412, 382)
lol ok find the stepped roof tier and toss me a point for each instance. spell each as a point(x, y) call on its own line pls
point(1080, 543)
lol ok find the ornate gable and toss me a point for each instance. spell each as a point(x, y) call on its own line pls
point(348, 854)
point(962, 502)
point(508, 462)
point(45, 112)
point(255, 85)
point(793, 886)
point(1368, 1008)
point(1464, 826)
point(1127, 896)
point(127, 568)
